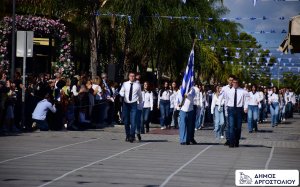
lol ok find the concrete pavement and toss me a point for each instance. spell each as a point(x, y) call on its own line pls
point(102, 157)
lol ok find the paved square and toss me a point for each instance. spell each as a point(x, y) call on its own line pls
point(103, 158)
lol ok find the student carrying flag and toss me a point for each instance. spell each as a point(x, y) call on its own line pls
point(186, 102)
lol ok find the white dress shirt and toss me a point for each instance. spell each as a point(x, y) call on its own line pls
point(241, 98)
point(188, 104)
point(198, 97)
point(223, 92)
point(274, 98)
point(165, 95)
point(293, 97)
point(136, 92)
point(41, 109)
point(215, 102)
point(254, 99)
point(173, 100)
point(288, 97)
point(147, 99)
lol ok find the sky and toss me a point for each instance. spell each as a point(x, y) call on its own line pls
point(273, 10)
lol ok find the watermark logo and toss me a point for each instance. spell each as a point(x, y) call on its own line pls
point(245, 179)
point(267, 177)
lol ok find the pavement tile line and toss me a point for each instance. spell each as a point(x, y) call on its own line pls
point(88, 165)
point(48, 150)
point(270, 158)
point(183, 166)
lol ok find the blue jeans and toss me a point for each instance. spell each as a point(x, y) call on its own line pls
point(288, 109)
point(139, 121)
point(235, 116)
point(146, 119)
point(129, 118)
point(164, 107)
point(201, 118)
point(175, 119)
point(197, 110)
point(185, 126)
point(274, 109)
point(252, 117)
point(218, 121)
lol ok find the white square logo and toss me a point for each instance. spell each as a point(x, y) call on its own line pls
point(267, 177)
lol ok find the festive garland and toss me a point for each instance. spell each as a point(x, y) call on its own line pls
point(42, 27)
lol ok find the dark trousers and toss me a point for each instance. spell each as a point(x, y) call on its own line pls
point(129, 118)
point(235, 115)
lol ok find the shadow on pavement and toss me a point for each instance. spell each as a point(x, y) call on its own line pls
point(154, 140)
point(245, 145)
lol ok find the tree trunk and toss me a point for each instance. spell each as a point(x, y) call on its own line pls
point(126, 63)
point(112, 59)
point(94, 44)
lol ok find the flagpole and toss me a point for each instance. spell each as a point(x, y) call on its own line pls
point(184, 96)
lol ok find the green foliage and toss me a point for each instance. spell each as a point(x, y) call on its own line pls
point(148, 40)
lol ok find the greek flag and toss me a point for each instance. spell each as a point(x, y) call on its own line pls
point(188, 78)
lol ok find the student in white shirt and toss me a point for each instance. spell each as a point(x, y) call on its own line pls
point(174, 112)
point(235, 104)
point(40, 113)
point(147, 106)
point(131, 91)
point(164, 105)
point(253, 102)
point(186, 116)
point(217, 112)
point(274, 106)
point(203, 105)
point(288, 97)
point(224, 90)
point(197, 106)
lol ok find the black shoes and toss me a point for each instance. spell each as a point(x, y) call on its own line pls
point(193, 141)
point(226, 143)
point(131, 139)
point(127, 139)
point(139, 137)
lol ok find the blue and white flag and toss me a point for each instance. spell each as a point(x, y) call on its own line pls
point(188, 78)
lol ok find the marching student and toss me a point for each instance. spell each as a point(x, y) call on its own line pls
point(235, 102)
point(288, 104)
point(164, 105)
point(186, 115)
point(224, 90)
point(131, 91)
point(197, 106)
point(274, 106)
point(217, 112)
point(147, 106)
point(254, 100)
point(174, 112)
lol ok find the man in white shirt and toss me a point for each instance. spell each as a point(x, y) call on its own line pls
point(186, 121)
point(132, 94)
point(40, 112)
point(223, 92)
point(235, 102)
